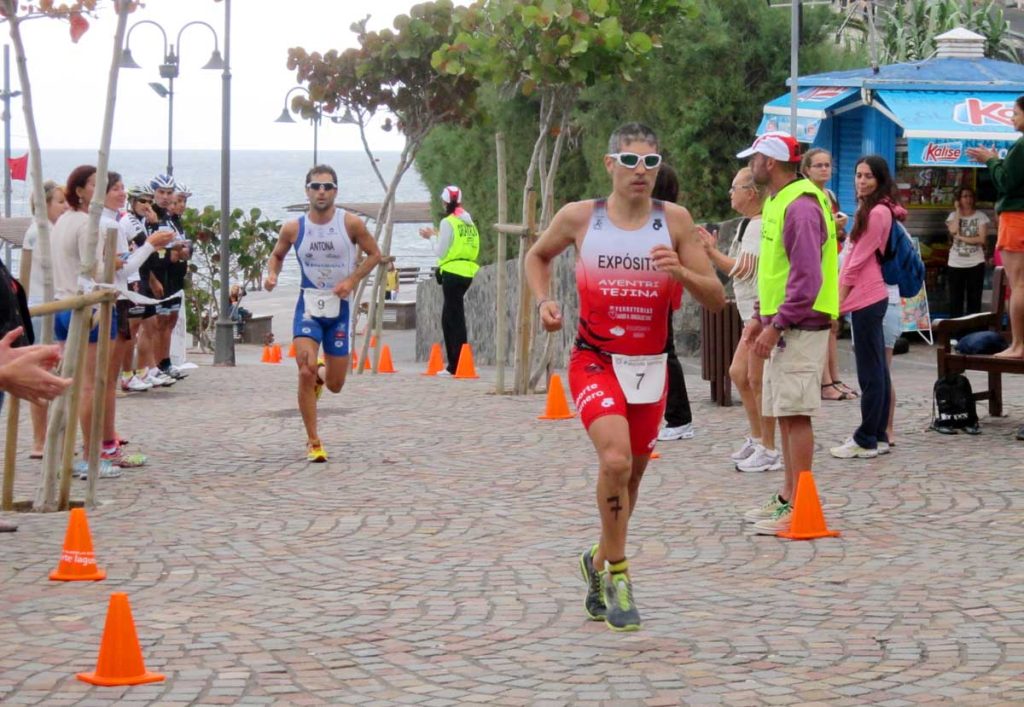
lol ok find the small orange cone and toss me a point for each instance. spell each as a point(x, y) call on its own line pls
point(466, 369)
point(367, 366)
point(557, 407)
point(355, 361)
point(291, 350)
point(808, 520)
point(268, 355)
point(384, 364)
point(77, 560)
point(120, 659)
point(373, 341)
point(435, 363)
point(655, 455)
point(275, 352)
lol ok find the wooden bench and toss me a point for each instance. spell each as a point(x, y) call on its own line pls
point(257, 328)
point(949, 361)
point(397, 314)
point(720, 335)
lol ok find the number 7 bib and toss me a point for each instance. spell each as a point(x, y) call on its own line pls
point(642, 378)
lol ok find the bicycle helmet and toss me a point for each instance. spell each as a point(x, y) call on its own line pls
point(182, 188)
point(162, 181)
point(140, 190)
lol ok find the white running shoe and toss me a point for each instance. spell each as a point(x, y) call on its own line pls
point(883, 448)
point(135, 385)
point(668, 434)
point(851, 450)
point(749, 445)
point(761, 460)
point(176, 373)
point(158, 379)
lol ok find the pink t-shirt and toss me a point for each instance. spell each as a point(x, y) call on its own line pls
point(861, 271)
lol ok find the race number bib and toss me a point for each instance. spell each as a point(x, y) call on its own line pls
point(642, 378)
point(321, 303)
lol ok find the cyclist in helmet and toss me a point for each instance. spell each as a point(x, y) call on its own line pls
point(170, 276)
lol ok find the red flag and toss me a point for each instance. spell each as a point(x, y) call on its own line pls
point(78, 27)
point(18, 167)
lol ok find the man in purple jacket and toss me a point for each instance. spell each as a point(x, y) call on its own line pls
point(798, 297)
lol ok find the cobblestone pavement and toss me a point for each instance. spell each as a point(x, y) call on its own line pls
point(433, 560)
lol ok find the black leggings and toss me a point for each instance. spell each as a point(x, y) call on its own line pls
point(967, 282)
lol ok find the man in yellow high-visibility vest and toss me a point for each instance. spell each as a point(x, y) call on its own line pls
point(456, 248)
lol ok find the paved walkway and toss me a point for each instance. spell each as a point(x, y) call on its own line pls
point(433, 560)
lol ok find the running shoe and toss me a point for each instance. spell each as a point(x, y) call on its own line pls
point(111, 454)
point(135, 385)
point(749, 445)
point(668, 434)
point(157, 379)
point(884, 448)
point(761, 460)
point(621, 613)
point(594, 603)
point(779, 522)
point(765, 511)
point(319, 389)
point(315, 452)
point(80, 470)
point(176, 373)
point(132, 461)
point(851, 450)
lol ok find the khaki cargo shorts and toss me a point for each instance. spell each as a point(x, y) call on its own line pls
point(792, 375)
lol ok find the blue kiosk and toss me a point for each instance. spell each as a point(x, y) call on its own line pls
point(921, 117)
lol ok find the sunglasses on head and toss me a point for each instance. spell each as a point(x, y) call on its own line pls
point(630, 160)
point(317, 186)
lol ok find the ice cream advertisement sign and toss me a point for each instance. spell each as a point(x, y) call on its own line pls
point(978, 113)
point(947, 153)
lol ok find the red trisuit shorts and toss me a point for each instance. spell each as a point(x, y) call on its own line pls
point(596, 393)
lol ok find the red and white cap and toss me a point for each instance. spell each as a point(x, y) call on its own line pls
point(782, 147)
point(451, 195)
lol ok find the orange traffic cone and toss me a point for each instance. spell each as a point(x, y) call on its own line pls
point(384, 364)
point(557, 407)
point(466, 369)
point(367, 366)
point(120, 659)
point(373, 341)
point(291, 350)
point(655, 455)
point(77, 560)
point(355, 361)
point(808, 521)
point(435, 363)
point(268, 355)
point(275, 351)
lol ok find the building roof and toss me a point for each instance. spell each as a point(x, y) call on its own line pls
point(928, 75)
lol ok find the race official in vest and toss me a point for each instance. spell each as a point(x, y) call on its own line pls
point(456, 248)
point(797, 299)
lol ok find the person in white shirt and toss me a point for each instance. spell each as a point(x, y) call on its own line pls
point(968, 229)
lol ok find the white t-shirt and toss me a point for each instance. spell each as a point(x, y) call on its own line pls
point(744, 272)
point(967, 255)
point(35, 285)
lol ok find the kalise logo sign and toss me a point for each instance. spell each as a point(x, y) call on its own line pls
point(976, 112)
point(942, 152)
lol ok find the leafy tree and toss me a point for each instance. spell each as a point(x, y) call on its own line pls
point(390, 72)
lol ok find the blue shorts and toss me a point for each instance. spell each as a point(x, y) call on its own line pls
point(62, 323)
point(333, 334)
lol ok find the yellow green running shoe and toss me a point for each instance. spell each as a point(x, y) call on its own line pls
point(621, 613)
point(594, 603)
point(315, 452)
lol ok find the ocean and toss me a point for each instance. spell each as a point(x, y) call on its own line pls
point(268, 180)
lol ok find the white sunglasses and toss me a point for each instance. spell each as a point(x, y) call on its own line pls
point(630, 160)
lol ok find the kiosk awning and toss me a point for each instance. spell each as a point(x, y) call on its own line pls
point(813, 105)
point(941, 125)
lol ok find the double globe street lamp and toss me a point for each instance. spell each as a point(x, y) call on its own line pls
point(315, 116)
point(169, 70)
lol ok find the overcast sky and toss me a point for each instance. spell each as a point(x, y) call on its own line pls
point(69, 80)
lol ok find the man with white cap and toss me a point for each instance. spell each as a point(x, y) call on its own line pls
point(456, 248)
point(797, 299)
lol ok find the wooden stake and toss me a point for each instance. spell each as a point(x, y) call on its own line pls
point(501, 326)
point(78, 347)
point(99, 396)
point(524, 317)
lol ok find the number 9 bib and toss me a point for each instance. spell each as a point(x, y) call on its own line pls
point(321, 303)
point(642, 378)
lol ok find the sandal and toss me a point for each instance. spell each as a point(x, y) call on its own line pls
point(843, 388)
point(843, 395)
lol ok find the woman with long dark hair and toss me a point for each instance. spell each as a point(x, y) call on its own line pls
point(863, 294)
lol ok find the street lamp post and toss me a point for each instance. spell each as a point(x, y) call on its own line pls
point(224, 343)
point(169, 71)
point(318, 115)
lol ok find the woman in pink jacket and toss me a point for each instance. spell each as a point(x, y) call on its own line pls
point(863, 294)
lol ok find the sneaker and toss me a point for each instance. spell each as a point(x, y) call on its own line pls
point(884, 448)
point(80, 470)
point(315, 452)
point(761, 460)
point(111, 454)
point(157, 379)
point(749, 445)
point(443, 373)
point(135, 385)
point(779, 522)
point(621, 613)
point(132, 461)
point(851, 450)
point(594, 603)
point(176, 373)
point(668, 434)
point(765, 511)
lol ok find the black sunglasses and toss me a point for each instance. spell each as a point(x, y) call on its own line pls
point(143, 201)
point(317, 186)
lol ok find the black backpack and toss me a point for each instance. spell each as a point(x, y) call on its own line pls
point(953, 404)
